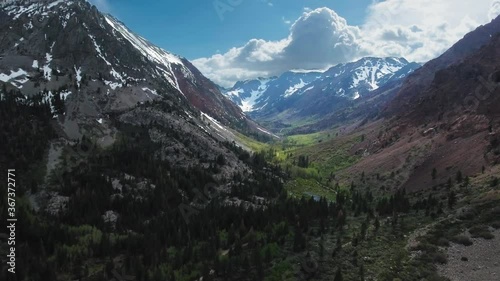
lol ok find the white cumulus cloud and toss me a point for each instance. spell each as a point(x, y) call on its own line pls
point(306, 47)
point(417, 30)
point(421, 30)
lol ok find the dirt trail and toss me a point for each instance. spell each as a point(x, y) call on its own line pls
point(412, 238)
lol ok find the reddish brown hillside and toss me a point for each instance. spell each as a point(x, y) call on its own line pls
point(449, 121)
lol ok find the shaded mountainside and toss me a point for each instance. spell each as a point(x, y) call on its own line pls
point(114, 139)
point(442, 125)
point(363, 110)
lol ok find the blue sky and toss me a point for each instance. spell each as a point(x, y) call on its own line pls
point(233, 40)
point(194, 29)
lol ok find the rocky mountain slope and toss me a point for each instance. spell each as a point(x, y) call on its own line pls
point(423, 77)
point(100, 79)
point(444, 120)
point(98, 66)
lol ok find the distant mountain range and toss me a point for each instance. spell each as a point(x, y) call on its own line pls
point(308, 94)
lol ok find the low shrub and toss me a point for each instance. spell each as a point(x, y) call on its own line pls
point(443, 242)
point(496, 225)
point(462, 240)
point(440, 258)
point(481, 231)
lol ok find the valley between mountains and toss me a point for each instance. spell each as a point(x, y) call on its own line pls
point(130, 163)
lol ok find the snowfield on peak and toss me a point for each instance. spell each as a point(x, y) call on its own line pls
point(12, 75)
point(151, 52)
point(34, 7)
point(247, 98)
point(374, 70)
point(293, 90)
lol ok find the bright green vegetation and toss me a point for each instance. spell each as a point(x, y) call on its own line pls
point(309, 160)
point(385, 253)
point(323, 148)
point(306, 140)
point(253, 144)
point(290, 124)
point(330, 157)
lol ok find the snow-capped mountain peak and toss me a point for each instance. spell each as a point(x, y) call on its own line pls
point(151, 52)
point(295, 88)
point(255, 95)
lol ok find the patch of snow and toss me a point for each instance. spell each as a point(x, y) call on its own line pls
point(235, 93)
point(18, 11)
point(260, 108)
point(35, 64)
point(308, 89)
point(53, 4)
point(248, 104)
point(154, 92)
point(98, 50)
point(293, 89)
point(78, 75)
point(151, 52)
point(100, 121)
point(113, 85)
point(48, 99)
point(340, 73)
point(64, 94)
point(12, 75)
point(116, 74)
point(18, 83)
point(203, 128)
point(47, 71)
point(214, 121)
point(267, 132)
